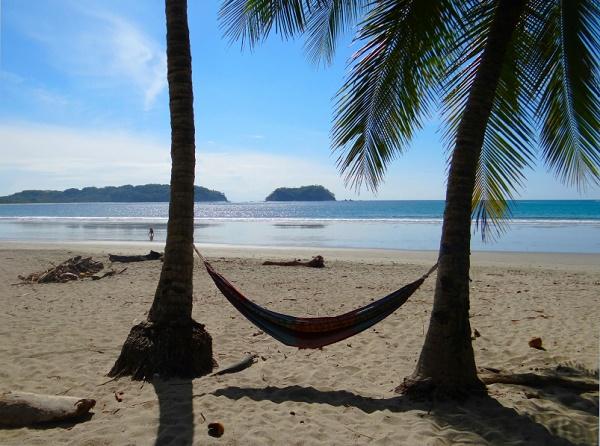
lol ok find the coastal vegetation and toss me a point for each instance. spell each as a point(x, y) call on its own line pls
point(169, 343)
point(511, 76)
point(113, 194)
point(304, 193)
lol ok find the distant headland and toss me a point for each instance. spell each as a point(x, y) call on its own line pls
point(119, 194)
point(304, 193)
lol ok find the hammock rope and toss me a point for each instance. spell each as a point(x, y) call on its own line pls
point(313, 332)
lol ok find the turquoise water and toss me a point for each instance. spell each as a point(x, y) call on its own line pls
point(405, 210)
point(537, 226)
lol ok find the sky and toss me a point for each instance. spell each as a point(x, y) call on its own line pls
point(84, 102)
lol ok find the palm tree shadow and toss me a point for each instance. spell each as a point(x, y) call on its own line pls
point(176, 412)
point(573, 400)
point(485, 416)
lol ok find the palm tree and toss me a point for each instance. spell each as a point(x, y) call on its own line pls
point(170, 343)
point(510, 77)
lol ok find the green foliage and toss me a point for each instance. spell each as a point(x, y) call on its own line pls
point(391, 85)
point(304, 193)
point(120, 194)
point(250, 21)
point(547, 98)
point(508, 146)
point(565, 88)
point(327, 21)
point(418, 54)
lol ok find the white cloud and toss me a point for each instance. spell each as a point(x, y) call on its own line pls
point(64, 157)
point(13, 85)
point(137, 57)
point(34, 156)
point(252, 176)
point(9, 77)
point(49, 98)
point(51, 157)
point(108, 50)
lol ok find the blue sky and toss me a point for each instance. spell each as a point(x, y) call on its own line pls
point(83, 101)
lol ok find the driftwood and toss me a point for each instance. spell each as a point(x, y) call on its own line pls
point(238, 366)
point(316, 262)
point(74, 268)
point(495, 376)
point(24, 409)
point(152, 255)
point(109, 273)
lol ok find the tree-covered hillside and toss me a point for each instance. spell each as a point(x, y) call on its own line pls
point(127, 193)
point(304, 193)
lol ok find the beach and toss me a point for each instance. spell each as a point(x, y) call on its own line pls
point(63, 338)
point(400, 249)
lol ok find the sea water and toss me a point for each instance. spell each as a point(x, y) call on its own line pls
point(535, 225)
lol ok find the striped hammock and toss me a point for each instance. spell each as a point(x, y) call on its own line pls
point(313, 332)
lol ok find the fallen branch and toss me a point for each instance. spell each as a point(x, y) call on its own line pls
point(533, 380)
point(316, 262)
point(112, 272)
point(74, 268)
point(24, 409)
point(238, 366)
point(152, 255)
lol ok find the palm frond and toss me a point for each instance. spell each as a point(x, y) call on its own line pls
point(509, 141)
point(565, 74)
point(329, 19)
point(391, 85)
point(466, 56)
point(250, 21)
point(506, 151)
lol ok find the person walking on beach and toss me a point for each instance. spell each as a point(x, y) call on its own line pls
point(151, 234)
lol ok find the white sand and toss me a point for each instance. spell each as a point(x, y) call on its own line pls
point(63, 338)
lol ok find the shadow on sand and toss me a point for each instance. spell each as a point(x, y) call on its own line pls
point(64, 424)
point(484, 416)
point(176, 412)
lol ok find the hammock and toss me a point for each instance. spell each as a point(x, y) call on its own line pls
point(313, 332)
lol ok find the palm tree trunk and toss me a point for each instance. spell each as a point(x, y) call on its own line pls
point(447, 365)
point(173, 298)
point(170, 343)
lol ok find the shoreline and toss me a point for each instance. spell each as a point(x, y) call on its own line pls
point(569, 261)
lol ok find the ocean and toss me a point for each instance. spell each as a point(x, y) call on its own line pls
point(536, 225)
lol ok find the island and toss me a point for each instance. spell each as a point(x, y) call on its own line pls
point(304, 193)
point(113, 194)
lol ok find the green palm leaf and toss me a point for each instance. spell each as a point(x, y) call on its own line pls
point(509, 142)
point(329, 19)
point(565, 75)
point(415, 51)
point(391, 85)
point(550, 78)
point(250, 21)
